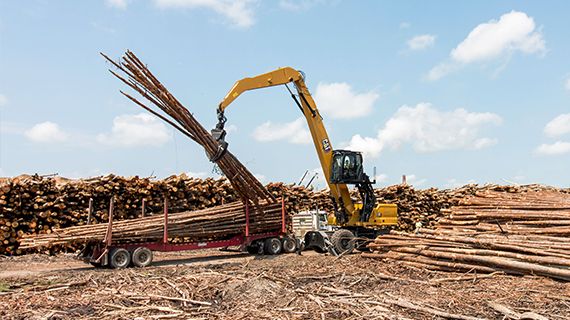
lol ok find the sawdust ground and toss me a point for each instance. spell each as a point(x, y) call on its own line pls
point(228, 285)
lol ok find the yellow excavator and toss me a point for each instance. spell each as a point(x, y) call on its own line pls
point(365, 219)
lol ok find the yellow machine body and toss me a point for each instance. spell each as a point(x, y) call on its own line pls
point(382, 214)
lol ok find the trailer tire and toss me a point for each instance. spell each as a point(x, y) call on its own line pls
point(289, 245)
point(251, 249)
point(141, 257)
point(273, 246)
point(119, 258)
point(343, 241)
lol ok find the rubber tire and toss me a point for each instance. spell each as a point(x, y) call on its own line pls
point(341, 241)
point(289, 245)
point(141, 257)
point(119, 258)
point(272, 246)
point(251, 249)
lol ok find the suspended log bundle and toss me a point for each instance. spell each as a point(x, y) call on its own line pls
point(137, 76)
point(220, 222)
point(526, 232)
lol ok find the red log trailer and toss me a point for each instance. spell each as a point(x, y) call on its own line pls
point(140, 254)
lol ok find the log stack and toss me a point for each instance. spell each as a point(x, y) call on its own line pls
point(522, 232)
point(38, 205)
point(214, 223)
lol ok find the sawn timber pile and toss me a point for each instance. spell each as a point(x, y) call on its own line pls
point(516, 233)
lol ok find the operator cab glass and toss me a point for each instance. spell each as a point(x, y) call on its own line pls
point(347, 167)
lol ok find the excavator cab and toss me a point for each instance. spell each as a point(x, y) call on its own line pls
point(347, 167)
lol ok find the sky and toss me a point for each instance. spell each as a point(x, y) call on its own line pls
point(444, 92)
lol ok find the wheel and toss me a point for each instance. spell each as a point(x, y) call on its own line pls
point(272, 246)
point(119, 258)
point(343, 241)
point(289, 244)
point(252, 249)
point(142, 257)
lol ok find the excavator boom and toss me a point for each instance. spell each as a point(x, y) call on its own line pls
point(339, 166)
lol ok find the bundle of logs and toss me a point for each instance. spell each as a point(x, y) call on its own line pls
point(137, 76)
point(526, 232)
point(201, 225)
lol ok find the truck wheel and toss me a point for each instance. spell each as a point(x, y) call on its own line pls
point(119, 258)
point(142, 257)
point(251, 249)
point(289, 245)
point(343, 241)
point(273, 246)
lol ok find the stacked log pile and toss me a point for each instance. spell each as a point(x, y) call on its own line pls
point(201, 225)
point(522, 232)
point(36, 205)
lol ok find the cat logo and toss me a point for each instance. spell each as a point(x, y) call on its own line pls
point(326, 145)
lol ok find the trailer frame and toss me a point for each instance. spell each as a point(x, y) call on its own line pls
point(98, 253)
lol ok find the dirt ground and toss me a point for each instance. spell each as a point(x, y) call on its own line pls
point(230, 285)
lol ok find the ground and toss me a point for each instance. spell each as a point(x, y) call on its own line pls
point(230, 285)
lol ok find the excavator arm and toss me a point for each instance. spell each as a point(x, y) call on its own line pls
point(347, 213)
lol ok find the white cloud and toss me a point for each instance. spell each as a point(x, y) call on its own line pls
point(338, 100)
point(294, 132)
point(120, 4)
point(558, 126)
point(441, 70)
point(567, 84)
point(428, 129)
point(136, 130)
point(421, 42)
point(299, 5)
point(3, 100)
point(239, 12)
point(405, 25)
point(557, 148)
point(514, 31)
point(47, 132)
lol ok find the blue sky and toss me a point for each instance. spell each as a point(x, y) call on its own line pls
point(446, 92)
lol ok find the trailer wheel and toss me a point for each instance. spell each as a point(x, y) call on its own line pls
point(142, 257)
point(343, 241)
point(119, 258)
point(273, 246)
point(289, 245)
point(252, 249)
